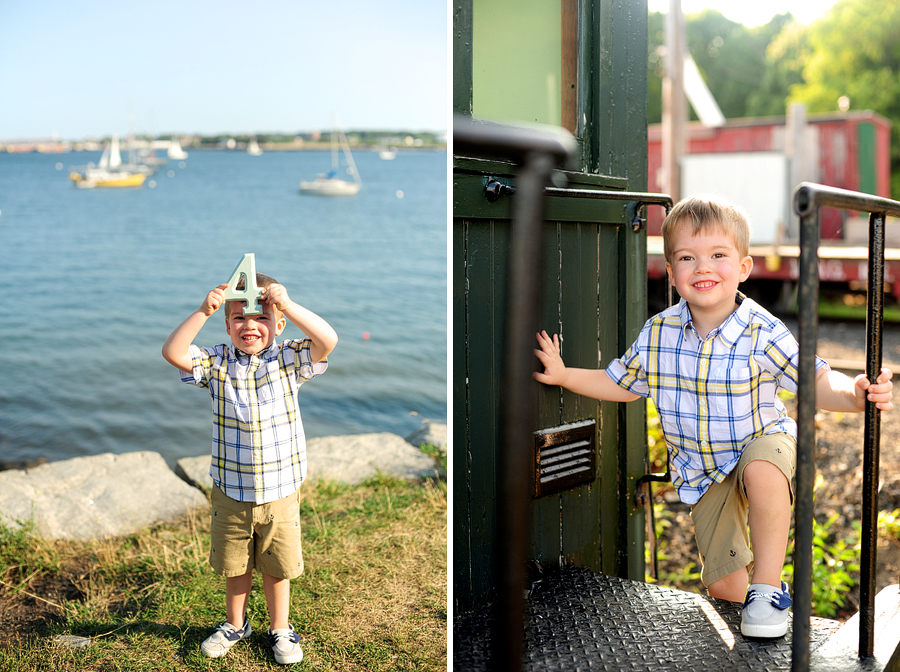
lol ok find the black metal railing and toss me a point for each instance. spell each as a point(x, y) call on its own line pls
point(538, 154)
point(808, 201)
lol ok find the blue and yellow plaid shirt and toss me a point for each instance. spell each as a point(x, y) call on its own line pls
point(713, 395)
point(258, 444)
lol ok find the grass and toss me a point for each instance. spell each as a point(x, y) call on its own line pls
point(373, 596)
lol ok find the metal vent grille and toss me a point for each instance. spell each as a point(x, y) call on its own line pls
point(564, 457)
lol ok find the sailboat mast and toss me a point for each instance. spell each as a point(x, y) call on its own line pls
point(346, 147)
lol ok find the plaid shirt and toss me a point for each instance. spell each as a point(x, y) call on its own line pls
point(258, 444)
point(713, 395)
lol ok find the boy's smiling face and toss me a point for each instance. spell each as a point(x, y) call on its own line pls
point(252, 333)
point(707, 268)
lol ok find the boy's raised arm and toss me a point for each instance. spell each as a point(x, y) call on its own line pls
point(175, 349)
point(323, 337)
point(838, 392)
point(594, 383)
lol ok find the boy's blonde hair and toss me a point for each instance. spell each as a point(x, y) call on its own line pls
point(262, 281)
point(704, 212)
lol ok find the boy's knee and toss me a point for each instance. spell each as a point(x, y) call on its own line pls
point(761, 472)
point(732, 587)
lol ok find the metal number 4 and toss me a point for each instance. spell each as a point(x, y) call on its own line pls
point(246, 271)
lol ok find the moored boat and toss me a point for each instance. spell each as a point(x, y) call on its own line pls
point(109, 172)
point(329, 184)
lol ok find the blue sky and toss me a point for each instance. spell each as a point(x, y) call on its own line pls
point(90, 69)
point(754, 13)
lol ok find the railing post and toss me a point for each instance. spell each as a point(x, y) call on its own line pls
point(538, 153)
point(874, 326)
point(808, 323)
point(808, 199)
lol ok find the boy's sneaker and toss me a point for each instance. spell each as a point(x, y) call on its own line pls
point(225, 636)
point(765, 611)
point(285, 645)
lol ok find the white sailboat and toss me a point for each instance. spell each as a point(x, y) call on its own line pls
point(109, 172)
point(329, 184)
point(253, 147)
point(175, 151)
point(387, 153)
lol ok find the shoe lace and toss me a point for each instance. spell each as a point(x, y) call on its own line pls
point(776, 597)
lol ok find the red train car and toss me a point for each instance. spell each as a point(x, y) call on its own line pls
point(758, 162)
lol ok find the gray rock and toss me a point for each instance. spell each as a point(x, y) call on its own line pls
point(195, 470)
point(352, 459)
point(99, 496)
point(434, 433)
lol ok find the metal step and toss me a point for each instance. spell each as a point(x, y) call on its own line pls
point(579, 620)
point(840, 652)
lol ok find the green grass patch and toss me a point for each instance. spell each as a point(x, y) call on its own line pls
point(373, 596)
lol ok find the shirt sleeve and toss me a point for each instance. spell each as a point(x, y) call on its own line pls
point(628, 371)
point(201, 363)
point(295, 356)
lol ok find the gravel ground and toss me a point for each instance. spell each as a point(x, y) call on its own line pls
point(839, 452)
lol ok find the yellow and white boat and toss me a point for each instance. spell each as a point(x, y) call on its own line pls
point(109, 172)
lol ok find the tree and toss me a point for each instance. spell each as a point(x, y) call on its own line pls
point(853, 50)
point(732, 59)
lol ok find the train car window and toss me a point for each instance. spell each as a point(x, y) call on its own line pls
point(524, 61)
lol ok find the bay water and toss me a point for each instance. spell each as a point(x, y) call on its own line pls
point(92, 281)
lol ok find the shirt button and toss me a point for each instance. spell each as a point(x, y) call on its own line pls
point(704, 444)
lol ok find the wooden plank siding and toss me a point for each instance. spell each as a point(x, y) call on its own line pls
point(593, 280)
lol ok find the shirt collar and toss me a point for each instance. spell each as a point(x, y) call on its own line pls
point(731, 329)
point(239, 354)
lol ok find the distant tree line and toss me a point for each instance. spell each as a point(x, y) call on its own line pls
point(852, 52)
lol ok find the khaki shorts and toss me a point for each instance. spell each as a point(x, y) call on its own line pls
point(248, 536)
point(720, 517)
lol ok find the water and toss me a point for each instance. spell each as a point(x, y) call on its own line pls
point(93, 281)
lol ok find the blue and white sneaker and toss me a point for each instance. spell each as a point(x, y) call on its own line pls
point(765, 611)
point(285, 643)
point(225, 636)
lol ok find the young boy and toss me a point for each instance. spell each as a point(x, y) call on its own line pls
point(258, 450)
point(713, 364)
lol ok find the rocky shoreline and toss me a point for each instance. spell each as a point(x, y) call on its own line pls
point(112, 495)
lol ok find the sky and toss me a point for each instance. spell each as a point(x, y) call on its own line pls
point(92, 69)
point(753, 12)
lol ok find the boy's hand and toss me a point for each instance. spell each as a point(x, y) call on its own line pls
point(276, 296)
point(879, 392)
point(555, 372)
point(214, 300)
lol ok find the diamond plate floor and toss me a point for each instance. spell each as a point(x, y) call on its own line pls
point(579, 620)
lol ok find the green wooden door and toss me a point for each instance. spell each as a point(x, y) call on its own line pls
point(594, 294)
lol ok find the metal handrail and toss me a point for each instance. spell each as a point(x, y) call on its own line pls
point(808, 200)
point(538, 152)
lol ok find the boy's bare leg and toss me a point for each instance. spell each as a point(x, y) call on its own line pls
point(770, 521)
point(237, 593)
point(769, 496)
point(732, 587)
point(278, 599)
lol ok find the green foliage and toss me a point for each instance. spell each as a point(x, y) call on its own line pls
point(733, 60)
point(834, 560)
point(656, 442)
point(889, 524)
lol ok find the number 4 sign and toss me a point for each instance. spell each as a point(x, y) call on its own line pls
point(246, 271)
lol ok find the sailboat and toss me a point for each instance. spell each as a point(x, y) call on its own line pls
point(329, 184)
point(109, 172)
point(387, 153)
point(253, 148)
point(175, 151)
